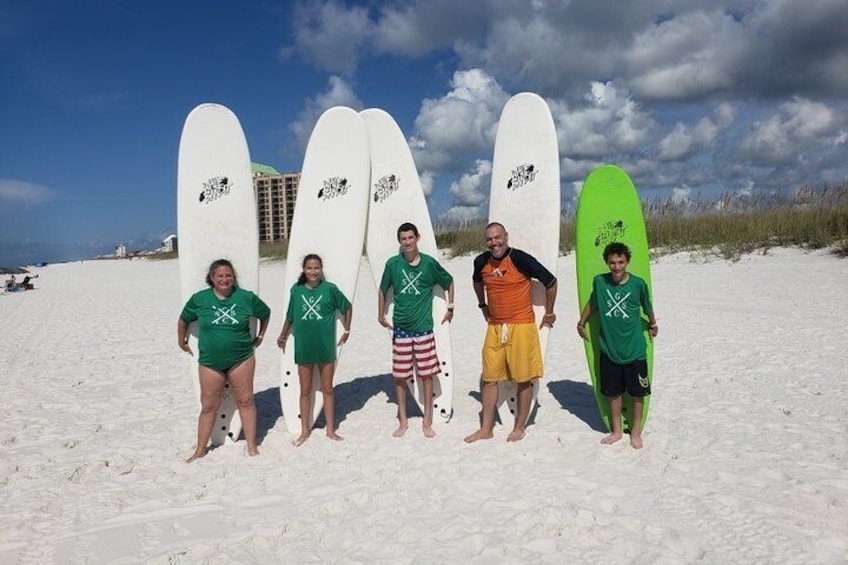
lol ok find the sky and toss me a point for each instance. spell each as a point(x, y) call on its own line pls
point(693, 99)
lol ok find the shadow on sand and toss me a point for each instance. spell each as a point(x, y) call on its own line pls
point(478, 396)
point(350, 397)
point(268, 411)
point(579, 399)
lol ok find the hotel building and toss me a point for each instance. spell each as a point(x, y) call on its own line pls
point(275, 197)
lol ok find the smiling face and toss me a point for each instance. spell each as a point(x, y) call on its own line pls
point(223, 279)
point(408, 241)
point(314, 271)
point(617, 265)
point(497, 240)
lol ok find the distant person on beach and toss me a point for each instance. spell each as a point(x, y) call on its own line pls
point(11, 283)
point(226, 349)
point(311, 315)
point(511, 348)
point(618, 296)
point(412, 276)
point(26, 284)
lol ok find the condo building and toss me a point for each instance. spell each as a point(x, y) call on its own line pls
point(275, 197)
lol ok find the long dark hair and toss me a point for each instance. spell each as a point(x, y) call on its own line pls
point(302, 278)
point(221, 263)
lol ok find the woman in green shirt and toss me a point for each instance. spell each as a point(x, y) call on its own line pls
point(223, 313)
point(312, 316)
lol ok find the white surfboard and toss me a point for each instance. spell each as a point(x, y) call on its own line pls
point(525, 198)
point(397, 197)
point(216, 219)
point(329, 219)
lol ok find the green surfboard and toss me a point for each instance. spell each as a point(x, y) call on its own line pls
point(608, 211)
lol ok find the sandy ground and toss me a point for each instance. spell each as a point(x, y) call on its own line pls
point(744, 458)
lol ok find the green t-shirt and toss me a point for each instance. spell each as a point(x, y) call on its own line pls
point(312, 314)
point(413, 290)
point(224, 325)
point(618, 307)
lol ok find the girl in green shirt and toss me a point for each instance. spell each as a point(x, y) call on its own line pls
point(312, 317)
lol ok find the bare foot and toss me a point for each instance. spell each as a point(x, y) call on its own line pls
point(299, 441)
point(428, 431)
point(635, 441)
point(253, 452)
point(197, 455)
point(610, 439)
point(516, 435)
point(478, 435)
point(334, 436)
point(400, 431)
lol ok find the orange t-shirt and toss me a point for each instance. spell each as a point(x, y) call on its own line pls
point(508, 285)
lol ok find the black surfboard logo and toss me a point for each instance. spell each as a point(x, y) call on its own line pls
point(522, 175)
point(608, 232)
point(333, 187)
point(385, 187)
point(215, 188)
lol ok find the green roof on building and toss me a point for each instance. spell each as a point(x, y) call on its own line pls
point(259, 168)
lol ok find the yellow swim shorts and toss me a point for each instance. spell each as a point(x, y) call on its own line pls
point(512, 352)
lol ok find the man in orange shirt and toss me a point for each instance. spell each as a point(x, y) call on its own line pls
point(511, 350)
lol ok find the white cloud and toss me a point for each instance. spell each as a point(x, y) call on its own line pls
point(472, 189)
point(786, 134)
point(459, 214)
point(20, 193)
point(681, 195)
point(607, 122)
point(339, 93)
point(329, 35)
point(685, 141)
point(460, 124)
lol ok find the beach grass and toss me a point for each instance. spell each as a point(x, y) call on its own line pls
point(728, 227)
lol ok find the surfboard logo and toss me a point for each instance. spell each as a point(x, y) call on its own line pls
point(333, 187)
point(522, 175)
point(608, 232)
point(215, 188)
point(385, 187)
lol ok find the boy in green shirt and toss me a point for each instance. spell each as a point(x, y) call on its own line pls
point(413, 275)
point(618, 296)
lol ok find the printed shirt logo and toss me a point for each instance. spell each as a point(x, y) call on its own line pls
point(385, 187)
point(215, 188)
point(521, 175)
point(311, 308)
point(333, 187)
point(613, 230)
point(410, 283)
point(225, 316)
point(616, 305)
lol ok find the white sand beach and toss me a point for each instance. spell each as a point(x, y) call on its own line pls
point(745, 457)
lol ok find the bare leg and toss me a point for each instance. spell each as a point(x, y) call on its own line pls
point(525, 397)
point(304, 374)
point(615, 417)
point(327, 371)
point(490, 402)
point(636, 431)
point(241, 381)
point(428, 408)
point(211, 389)
point(400, 393)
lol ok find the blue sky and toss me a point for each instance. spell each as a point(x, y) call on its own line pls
point(694, 99)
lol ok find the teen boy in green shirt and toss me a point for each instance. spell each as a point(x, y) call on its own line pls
point(618, 296)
